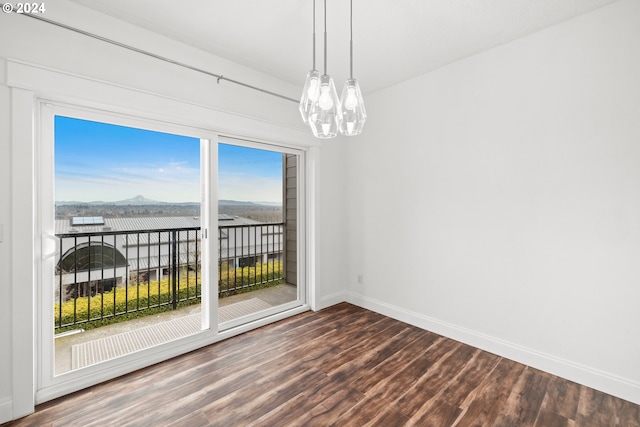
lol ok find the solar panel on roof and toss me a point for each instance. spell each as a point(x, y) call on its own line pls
point(87, 220)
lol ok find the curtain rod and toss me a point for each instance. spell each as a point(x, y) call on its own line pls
point(153, 55)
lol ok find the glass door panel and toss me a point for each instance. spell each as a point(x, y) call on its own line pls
point(128, 269)
point(257, 232)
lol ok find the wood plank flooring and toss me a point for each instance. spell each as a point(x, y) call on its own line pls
point(343, 366)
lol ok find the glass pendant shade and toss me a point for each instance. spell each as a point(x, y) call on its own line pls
point(352, 106)
point(309, 92)
point(325, 114)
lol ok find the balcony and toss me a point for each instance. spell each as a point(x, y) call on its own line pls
point(123, 274)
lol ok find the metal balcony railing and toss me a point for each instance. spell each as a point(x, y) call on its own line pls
point(104, 274)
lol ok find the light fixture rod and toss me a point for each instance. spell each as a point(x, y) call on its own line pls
point(314, 34)
point(161, 58)
point(351, 39)
point(325, 37)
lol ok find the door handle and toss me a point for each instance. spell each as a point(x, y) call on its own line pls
point(46, 240)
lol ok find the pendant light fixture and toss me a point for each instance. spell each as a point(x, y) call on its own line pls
point(311, 84)
point(352, 105)
point(325, 114)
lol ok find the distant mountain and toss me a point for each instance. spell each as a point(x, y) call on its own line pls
point(73, 202)
point(235, 203)
point(141, 201)
point(276, 204)
point(137, 201)
point(134, 201)
point(246, 204)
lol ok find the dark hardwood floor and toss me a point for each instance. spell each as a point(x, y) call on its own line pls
point(342, 366)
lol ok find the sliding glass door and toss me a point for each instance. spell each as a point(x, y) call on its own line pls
point(124, 219)
point(154, 233)
point(258, 217)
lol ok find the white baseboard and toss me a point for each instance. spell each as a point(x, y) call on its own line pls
point(588, 376)
point(6, 410)
point(331, 299)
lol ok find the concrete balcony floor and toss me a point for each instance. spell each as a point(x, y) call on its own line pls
point(272, 296)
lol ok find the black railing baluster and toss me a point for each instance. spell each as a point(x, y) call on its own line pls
point(60, 288)
point(262, 251)
point(115, 274)
point(88, 291)
point(179, 267)
point(182, 265)
point(229, 257)
point(174, 267)
point(100, 284)
point(75, 277)
point(188, 267)
point(138, 273)
point(197, 262)
point(126, 274)
point(241, 263)
point(157, 272)
point(235, 256)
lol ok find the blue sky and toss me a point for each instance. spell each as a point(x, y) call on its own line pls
point(248, 174)
point(99, 161)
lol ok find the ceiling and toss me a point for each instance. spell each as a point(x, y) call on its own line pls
point(394, 40)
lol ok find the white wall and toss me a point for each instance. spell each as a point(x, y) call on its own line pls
point(5, 254)
point(332, 260)
point(496, 200)
point(44, 45)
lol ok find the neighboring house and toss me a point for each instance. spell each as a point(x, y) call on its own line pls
point(99, 253)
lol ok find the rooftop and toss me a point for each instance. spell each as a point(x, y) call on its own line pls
point(89, 225)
